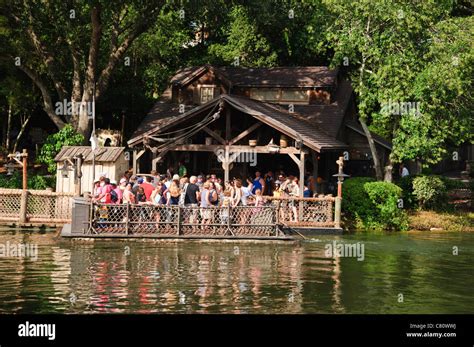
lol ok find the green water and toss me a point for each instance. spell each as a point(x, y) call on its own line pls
point(107, 276)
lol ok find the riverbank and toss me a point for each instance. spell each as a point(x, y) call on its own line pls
point(460, 221)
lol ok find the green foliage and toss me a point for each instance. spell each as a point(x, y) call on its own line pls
point(65, 137)
point(37, 181)
point(430, 191)
point(409, 200)
point(373, 205)
point(355, 200)
point(12, 182)
point(244, 43)
point(387, 214)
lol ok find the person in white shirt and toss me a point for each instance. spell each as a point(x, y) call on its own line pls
point(403, 171)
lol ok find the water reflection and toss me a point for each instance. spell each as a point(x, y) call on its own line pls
point(108, 276)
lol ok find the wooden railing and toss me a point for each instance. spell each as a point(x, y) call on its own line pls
point(35, 207)
point(241, 221)
point(305, 212)
point(184, 221)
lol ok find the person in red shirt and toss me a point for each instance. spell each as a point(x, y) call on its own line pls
point(147, 187)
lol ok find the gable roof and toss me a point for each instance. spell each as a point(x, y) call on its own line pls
point(102, 154)
point(292, 124)
point(295, 76)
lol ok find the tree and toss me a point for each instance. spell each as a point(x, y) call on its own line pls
point(387, 46)
point(244, 44)
point(72, 48)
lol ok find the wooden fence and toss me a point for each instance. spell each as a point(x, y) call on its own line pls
point(35, 207)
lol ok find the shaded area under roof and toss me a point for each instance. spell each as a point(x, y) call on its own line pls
point(102, 154)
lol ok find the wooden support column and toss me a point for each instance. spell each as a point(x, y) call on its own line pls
point(301, 167)
point(136, 162)
point(226, 165)
point(154, 161)
point(228, 127)
point(300, 163)
point(23, 206)
point(314, 159)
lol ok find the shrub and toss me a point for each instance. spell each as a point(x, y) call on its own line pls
point(373, 205)
point(38, 182)
point(12, 182)
point(387, 214)
point(409, 200)
point(430, 191)
point(355, 201)
point(67, 136)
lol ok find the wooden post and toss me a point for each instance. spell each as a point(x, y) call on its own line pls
point(301, 187)
point(229, 222)
point(228, 127)
point(301, 167)
point(337, 208)
point(225, 165)
point(127, 232)
point(135, 162)
point(25, 167)
point(314, 158)
point(23, 206)
point(179, 220)
point(337, 213)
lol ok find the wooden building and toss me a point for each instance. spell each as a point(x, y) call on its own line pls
point(295, 119)
point(111, 161)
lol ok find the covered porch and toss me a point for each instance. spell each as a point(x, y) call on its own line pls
point(233, 136)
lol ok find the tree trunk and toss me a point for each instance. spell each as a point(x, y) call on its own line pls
point(388, 171)
point(9, 126)
point(373, 150)
point(22, 130)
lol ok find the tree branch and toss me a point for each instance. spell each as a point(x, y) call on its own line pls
point(45, 55)
point(47, 102)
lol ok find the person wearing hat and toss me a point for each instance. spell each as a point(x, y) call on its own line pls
point(122, 185)
point(97, 188)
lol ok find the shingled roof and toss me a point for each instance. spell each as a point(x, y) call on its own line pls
point(295, 76)
point(293, 124)
point(103, 154)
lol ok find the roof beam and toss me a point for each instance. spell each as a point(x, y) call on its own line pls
point(214, 135)
point(244, 133)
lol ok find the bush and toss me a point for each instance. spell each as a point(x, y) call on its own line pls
point(67, 136)
point(14, 181)
point(38, 182)
point(355, 201)
point(409, 199)
point(430, 191)
point(373, 205)
point(387, 214)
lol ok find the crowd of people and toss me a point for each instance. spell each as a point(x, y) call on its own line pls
point(203, 191)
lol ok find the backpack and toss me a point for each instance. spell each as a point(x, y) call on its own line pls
point(113, 196)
